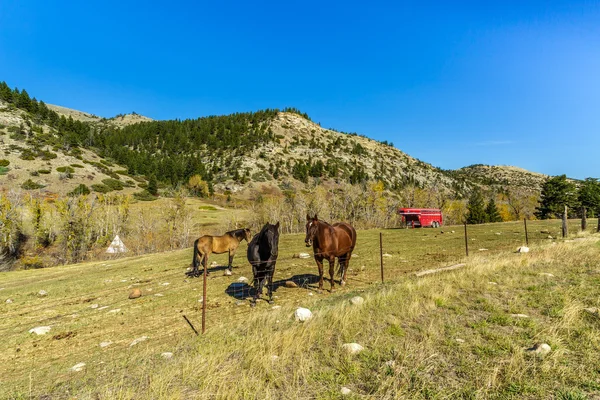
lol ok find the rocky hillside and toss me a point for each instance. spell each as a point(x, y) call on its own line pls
point(56, 149)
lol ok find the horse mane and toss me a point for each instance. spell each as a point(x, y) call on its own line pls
point(236, 232)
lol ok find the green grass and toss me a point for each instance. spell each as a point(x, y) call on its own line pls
point(412, 321)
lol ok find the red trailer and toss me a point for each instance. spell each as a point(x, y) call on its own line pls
point(420, 217)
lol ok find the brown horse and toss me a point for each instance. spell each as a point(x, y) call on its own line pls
point(228, 243)
point(328, 242)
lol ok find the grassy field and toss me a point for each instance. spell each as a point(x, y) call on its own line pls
point(412, 322)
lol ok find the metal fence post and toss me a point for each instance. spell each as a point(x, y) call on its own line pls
point(204, 297)
point(381, 254)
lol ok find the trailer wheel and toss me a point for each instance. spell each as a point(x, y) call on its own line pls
point(435, 224)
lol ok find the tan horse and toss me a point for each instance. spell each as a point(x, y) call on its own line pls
point(328, 242)
point(206, 245)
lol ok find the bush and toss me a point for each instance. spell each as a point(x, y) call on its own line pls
point(33, 262)
point(4, 163)
point(66, 169)
point(144, 196)
point(31, 185)
point(101, 188)
point(44, 171)
point(77, 166)
point(47, 155)
point(27, 154)
point(113, 184)
point(79, 190)
point(4, 170)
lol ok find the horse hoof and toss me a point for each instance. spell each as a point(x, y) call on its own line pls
point(253, 304)
point(343, 283)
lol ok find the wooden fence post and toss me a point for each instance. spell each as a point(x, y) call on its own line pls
point(381, 254)
point(204, 297)
point(583, 219)
point(526, 235)
point(565, 227)
point(466, 240)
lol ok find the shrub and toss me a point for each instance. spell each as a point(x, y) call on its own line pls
point(77, 166)
point(4, 163)
point(113, 184)
point(44, 171)
point(101, 188)
point(66, 169)
point(27, 154)
point(33, 262)
point(47, 155)
point(144, 196)
point(4, 170)
point(80, 190)
point(34, 173)
point(31, 185)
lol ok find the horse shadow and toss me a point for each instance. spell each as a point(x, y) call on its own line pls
point(242, 290)
point(216, 268)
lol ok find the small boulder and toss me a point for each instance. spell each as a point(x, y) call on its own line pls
point(354, 256)
point(592, 310)
point(523, 249)
point(227, 272)
point(94, 306)
point(116, 310)
point(135, 293)
point(519, 315)
point(242, 279)
point(352, 348)
point(303, 255)
point(546, 231)
point(8, 301)
point(357, 300)
point(40, 330)
point(550, 237)
point(302, 314)
point(138, 340)
point(452, 232)
point(547, 274)
point(482, 249)
point(458, 340)
point(105, 344)
point(386, 255)
point(275, 307)
point(159, 295)
point(291, 284)
point(78, 367)
point(214, 264)
point(42, 293)
point(345, 391)
point(167, 355)
point(492, 283)
point(541, 349)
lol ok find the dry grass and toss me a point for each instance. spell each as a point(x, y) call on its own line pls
point(411, 321)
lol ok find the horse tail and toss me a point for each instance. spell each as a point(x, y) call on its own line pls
point(195, 262)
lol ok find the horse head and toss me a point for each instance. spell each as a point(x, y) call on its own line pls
point(312, 225)
point(247, 235)
point(271, 234)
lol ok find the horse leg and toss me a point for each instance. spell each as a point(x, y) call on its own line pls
point(320, 266)
point(231, 254)
point(270, 288)
point(331, 271)
point(344, 261)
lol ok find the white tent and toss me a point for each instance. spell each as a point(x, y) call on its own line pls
point(116, 246)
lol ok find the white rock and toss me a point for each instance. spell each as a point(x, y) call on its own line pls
point(352, 348)
point(274, 358)
point(275, 307)
point(8, 301)
point(138, 340)
point(458, 340)
point(542, 349)
point(214, 264)
point(227, 272)
point(390, 363)
point(345, 391)
point(242, 279)
point(386, 255)
point(200, 300)
point(591, 310)
point(167, 355)
point(78, 367)
point(303, 255)
point(105, 344)
point(550, 237)
point(357, 300)
point(547, 274)
point(354, 255)
point(498, 233)
point(519, 315)
point(453, 232)
point(116, 310)
point(483, 249)
point(42, 293)
point(492, 283)
point(165, 284)
point(302, 314)
point(102, 308)
point(94, 306)
point(40, 330)
point(123, 280)
point(523, 249)
point(310, 293)
point(159, 295)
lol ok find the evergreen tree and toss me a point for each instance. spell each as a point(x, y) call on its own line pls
point(589, 196)
point(491, 212)
point(152, 186)
point(557, 193)
point(475, 208)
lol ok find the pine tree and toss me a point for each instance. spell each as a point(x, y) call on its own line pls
point(557, 193)
point(491, 212)
point(152, 186)
point(475, 209)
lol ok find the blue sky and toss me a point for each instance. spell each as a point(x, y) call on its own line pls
point(453, 84)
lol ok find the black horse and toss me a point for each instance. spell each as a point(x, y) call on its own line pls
point(262, 255)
